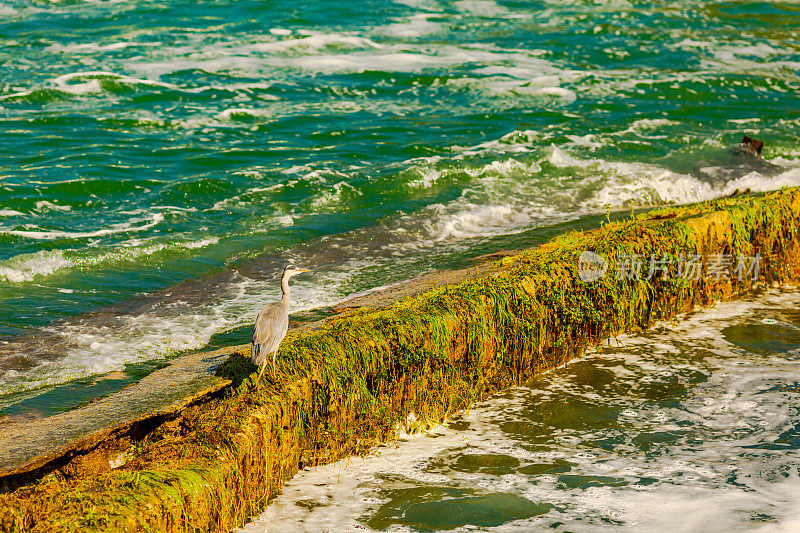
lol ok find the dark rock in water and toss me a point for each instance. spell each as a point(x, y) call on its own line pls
point(738, 161)
point(751, 146)
point(717, 165)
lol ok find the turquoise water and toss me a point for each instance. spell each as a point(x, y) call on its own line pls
point(693, 427)
point(162, 159)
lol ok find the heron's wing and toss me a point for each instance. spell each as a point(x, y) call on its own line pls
point(255, 350)
point(270, 329)
point(267, 319)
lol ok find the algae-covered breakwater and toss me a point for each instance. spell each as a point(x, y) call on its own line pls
point(344, 386)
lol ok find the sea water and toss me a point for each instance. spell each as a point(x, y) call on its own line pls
point(163, 159)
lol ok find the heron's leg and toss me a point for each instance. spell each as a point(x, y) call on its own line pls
point(274, 355)
point(263, 366)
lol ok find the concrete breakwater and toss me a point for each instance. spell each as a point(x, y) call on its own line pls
point(345, 384)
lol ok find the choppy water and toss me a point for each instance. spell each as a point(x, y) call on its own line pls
point(693, 427)
point(161, 159)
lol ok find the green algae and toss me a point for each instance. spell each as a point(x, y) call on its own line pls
point(355, 380)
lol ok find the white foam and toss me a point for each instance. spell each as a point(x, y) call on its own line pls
point(123, 227)
point(405, 58)
point(232, 113)
point(759, 183)
point(330, 198)
point(202, 243)
point(475, 220)
point(82, 83)
point(27, 267)
point(646, 184)
point(66, 82)
point(427, 178)
point(588, 141)
point(317, 42)
point(485, 8)
point(236, 87)
point(44, 205)
point(338, 52)
point(643, 125)
point(738, 57)
point(744, 120)
point(95, 47)
point(505, 196)
point(250, 196)
point(416, 25)
point(565, 94)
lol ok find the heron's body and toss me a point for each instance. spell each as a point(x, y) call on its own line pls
point(271, 327)
point(272, 324)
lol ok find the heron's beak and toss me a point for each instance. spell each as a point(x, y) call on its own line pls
point(304, 270)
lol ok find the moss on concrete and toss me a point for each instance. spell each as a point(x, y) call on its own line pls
point(345, 386)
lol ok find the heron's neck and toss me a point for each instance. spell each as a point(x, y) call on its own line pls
point(287, 293)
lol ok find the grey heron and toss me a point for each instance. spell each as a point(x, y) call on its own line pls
point(272, 324)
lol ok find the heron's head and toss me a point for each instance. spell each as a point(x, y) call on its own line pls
point(292, 270)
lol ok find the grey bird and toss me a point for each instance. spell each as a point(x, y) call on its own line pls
point(272, 324)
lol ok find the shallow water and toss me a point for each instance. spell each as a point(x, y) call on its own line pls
point(162, 159)
point(694, 426)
